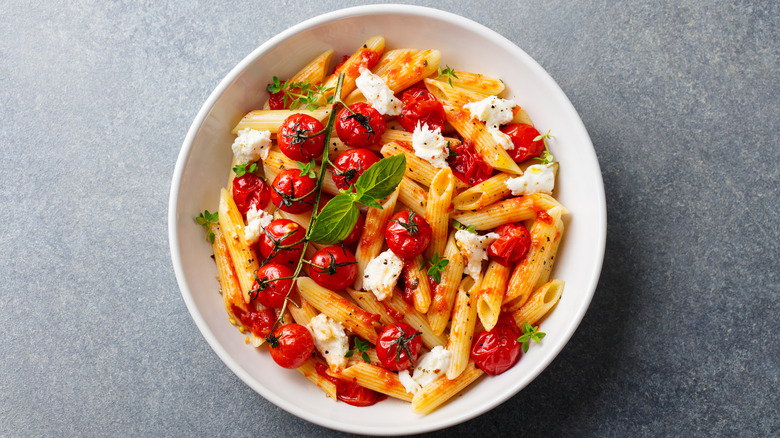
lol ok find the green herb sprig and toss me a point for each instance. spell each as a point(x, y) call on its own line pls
point(206, 218)
point(242, 169)
point(307, 168)
point(459, 226)
point(297, 94)
point(530, 333)
point(361, 347)
point(437, 265)
point(546, 158)
point(449, 73)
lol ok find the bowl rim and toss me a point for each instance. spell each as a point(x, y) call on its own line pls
point(437, 14)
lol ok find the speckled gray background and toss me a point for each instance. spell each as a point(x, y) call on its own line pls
point(680, 99)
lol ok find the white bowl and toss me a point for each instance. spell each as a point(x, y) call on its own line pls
point(202, 168)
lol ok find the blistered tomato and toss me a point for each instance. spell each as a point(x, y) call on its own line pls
point(350, 164)
point(398, 346)
point(282, 242)
point(333, 267)
point(293, 192)
point(468, 165)
point(291, 346)
point(360, 125)
point(407, 234)
point(523, 136)
point(420, 106)
point(297, 139)
point(512, 245)
point(249, 191)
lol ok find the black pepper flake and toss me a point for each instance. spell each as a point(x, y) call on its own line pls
point(548, 238)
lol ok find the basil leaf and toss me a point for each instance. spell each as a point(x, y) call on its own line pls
point(381, 179)
point(335, 221)
point(368, 201)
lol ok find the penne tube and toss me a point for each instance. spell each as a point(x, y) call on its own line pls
point(372, 238)
point(413, 196)
point(491, 293)
point(464, 319)
point(368, 302)
point(309, 370)
point(417, 169)
point(416, 279)
point(454, 96)
point(404, 72)
point(545, 237)
point(485, 193)
point(520, 116)
point(376, 378)
point(437, 211)
point(314, 72)
point(433, 395)
point(507, 211)
point(373, 48)
point(244, 258)
point(401, 136)
point(270, 120)
point(417, 320)
point(444, 294)
point(303, 313)
point(276, 161)
point(539, 303)
point(484, 142)
point(474, 82)
point(352, 317)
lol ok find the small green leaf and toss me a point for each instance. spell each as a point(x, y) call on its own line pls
point(459, 226)
point(369, 202)
point(335, 221)
point(211, 237)
point(381, 179)
point(349, 353)
point(366, 358)
point(307, 168)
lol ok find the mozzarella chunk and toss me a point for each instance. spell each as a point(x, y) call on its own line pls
point(330, 339)
point(539, 178)
point(251, 145)
point(431, 366)
point(377, 93)
point(382, 274)
point(256, 220)
point(494, 112)
point(430, 145)
point(474, 248)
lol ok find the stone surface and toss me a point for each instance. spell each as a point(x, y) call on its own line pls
point(680, 99)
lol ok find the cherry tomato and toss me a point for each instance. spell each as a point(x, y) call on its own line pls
point(276, 100)
point(361, 127)
point(249, 191)
point(468, 165)
point(293, 138)
point(523, 136)
point(367, 58)
point(259, 322)
point(291, 346)
point(357, 230)
point(333, 267)
point(507, 321)
point(420, 106)
point(495, 351)
point(268, 289)
point(398, 346)
point(512, 246)
point(282, 232)
point(350, 164)
point(350, 392)
point(292, 192)
point(407, 234)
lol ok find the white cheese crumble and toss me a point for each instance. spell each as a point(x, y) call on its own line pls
point(430, 145)
point(494, 112)
point(377, 93)
point(382, 274)
point(539, 178)
point(330, 339)
point(251, 145)
point(474, 248)
point(256, 220)
point(431, 366)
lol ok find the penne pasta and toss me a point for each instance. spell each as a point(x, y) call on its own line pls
point(491, 293)
point(507, 211)
point(376, 378)
point(435, 394)
point(313, 73)
point(444, 294)
point(270, 120)
point(464, 318)
point(417, 320)
point(452, 95)
point(417, 169)
point(243, 256)
point(474, 82)
point(437, 211)
point(485, 193)
point(413, 196)
point(416, 279)
point(539, 303)
point(309, 370)
point(370, 243)
point(373, 48)
point(484, 142)
point(352, 317)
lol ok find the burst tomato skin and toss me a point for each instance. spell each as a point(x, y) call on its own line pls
point(333, 268)
point(407, 239)
point(292, 192)
point(274, 291)
point(495, 351)
point(420, 106)
point(274, 236)
point(292, 138)
point(350, 392)
point(362, 129)
point(512, 246)
point(259, 322)
point(523, 136)
point(468, 165)
point(350, 164)
point(387, 346)
point(249, 190)
point(276, 100)
point(293, 347)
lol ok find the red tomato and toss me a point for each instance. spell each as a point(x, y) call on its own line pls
point(495, 351)
point(249, 191)
point(468, 165)
point(292, 192)
point(420, 106)
point(507, 321)
point(259, 322)
point(350, 392)
point(294, 141)
point(278, 234)
point(367, 58)
point(523, 136)
point(407, 234)
point(512, 246)
point(333, 267)
point(398, 346)
point(276, 100)
point(291, 346)
point(268, 289)
point(350, 164)
point(361, 127)
point(357, 230)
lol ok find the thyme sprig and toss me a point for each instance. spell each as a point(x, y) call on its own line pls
point(546, 158)
point(361, 347)
point(297, 94)
point(530, 333)
point(449, 73)
point(205, 219)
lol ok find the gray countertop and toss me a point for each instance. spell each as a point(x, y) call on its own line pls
point(680, 99)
